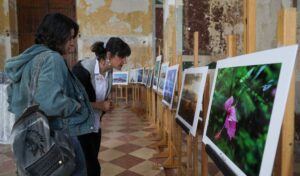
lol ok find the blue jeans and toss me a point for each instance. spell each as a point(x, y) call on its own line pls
point(80, 169)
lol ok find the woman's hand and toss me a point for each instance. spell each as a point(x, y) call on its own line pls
point(106, 105)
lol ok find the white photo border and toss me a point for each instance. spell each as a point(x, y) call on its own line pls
point(284, 55)
point(195, 70)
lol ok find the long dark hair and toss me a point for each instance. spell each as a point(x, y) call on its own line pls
point(99, 50)
point(116, 46)
point(55, 31)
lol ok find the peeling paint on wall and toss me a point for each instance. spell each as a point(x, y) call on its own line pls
point(106, 21)
point(94, 5)
point(225, 18)
point(169, 31)
point(138, 29)
point(5, 7)
point(2, 52)
point(131, 20)
point(128, 6)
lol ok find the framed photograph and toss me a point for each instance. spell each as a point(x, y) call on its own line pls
point(156, 72)
point(190, 99)
point(145, 76)
point(120, 78)
point(169, 86)
point(162, 77)
point(132, 76)
point(246, 109)
point(140, 72)
point(150, 78)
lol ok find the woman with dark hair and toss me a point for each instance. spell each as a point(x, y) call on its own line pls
point(96, 76)
point(59, 94)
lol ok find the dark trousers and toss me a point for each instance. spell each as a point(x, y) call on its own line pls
point(90, 144)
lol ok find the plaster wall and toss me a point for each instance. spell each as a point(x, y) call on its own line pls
point(4, 27)
point(8, 31)
point(169, 34)
point(226, 17)
point(131, 20)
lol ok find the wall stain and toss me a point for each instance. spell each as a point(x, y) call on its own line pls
point(226, 18)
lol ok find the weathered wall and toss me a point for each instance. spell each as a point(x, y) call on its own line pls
point(131, 20)
point(226, 17)
point(8, 28)
point(266, 25)
point(4, 27)
point(169, 31)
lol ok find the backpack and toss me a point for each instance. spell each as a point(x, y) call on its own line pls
point(38, 150)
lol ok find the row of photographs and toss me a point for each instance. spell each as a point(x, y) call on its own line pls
point(246, 106)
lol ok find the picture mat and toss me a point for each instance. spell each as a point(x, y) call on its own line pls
point(122, 76)
point(162, 77)
point(140, 72)
point(284, 55)
point(156, 72)
point(202, 73)
point(171, 70)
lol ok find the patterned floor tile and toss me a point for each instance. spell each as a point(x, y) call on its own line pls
point(129, 173)
point(139, 134)
point(142, 142)
point(127, 130)
point(127, 138)
point(145, 168)
point(102, 148)
point(127, 161)
point(143, 153)
point(108, 169)
point(112, 143)
point(110, 154)
point(113, 134)
point(127, 148)
point(7, 166)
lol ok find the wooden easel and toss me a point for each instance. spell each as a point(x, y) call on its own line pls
point(249, 41)
point(171, 125)
point(192, 142)
point(286, 35)
point(119, 93)
point(166, 127)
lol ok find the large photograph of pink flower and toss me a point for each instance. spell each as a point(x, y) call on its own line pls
point(240, 113)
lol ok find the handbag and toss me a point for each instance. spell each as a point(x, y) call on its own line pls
point(38, 150)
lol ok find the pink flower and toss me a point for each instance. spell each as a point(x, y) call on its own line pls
point(230, 121)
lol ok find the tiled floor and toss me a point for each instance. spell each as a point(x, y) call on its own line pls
point(125, 150)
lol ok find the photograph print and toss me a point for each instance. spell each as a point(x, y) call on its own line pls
point(150, 78)
point(140, 72)
point(156, 72)
point(120, 78)
point(247, 107)
point(145, 76)
point(190, 100)
point(162, 77)
point(169, 86)
point(132, 76)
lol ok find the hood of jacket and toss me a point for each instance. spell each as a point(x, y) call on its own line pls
point(14, 66)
